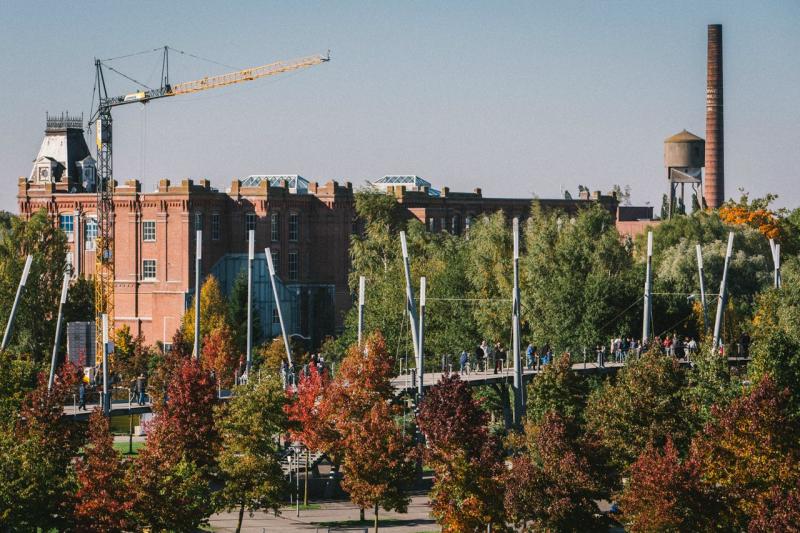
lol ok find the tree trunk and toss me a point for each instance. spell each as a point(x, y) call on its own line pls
point(361, 514)
point(241, 516)
point(305, 478)
point(376, 518)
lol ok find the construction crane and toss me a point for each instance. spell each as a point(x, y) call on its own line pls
point(101, 119)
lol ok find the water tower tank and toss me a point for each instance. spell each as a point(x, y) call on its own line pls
point(684, 150)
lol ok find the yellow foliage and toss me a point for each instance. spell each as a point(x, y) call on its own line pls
point(213, 310)
point(763, 220)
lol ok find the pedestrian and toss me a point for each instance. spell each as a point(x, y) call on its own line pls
point(82, 396)
point(601, 353)
point(480, 354)
point(499, 357)
point(140, 387)
point(463, 362)
point(529, 354)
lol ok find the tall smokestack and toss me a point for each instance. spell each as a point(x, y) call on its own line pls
point(714, 191)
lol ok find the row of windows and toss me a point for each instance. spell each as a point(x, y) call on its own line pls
point(66, 223)
point(250, 220)
point(149, 265)
point(452, 225)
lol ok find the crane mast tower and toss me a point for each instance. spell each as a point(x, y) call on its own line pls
point(102, 122)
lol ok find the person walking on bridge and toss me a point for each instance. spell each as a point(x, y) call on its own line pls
point(140, 387)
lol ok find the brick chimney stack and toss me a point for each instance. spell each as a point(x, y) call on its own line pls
point(714, 190)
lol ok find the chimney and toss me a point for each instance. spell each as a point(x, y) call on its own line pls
point(714, 190)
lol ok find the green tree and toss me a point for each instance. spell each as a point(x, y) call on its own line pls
point(249, 463)
point(34, 327)
point(36, 484)
point(557, 389)
point(776, 335)
point(578, 281)
point(237, 314)
point(644, 406)
point(490, 273)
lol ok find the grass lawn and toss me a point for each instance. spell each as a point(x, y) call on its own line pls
point(122, 447)
point(309, 507)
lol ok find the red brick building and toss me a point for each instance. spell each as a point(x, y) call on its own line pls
point(306, 225)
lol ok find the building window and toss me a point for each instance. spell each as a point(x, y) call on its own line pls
point(90, 233)
point(276, 260)
point(69, 261)
point(275, 225)
point(149, 231)
point(65, 223)
point(293, 266)
point(294, 227)
point(431, 224)
point(443, 224)
point(198, 221)
point(456, 225)
point(167, 347)
point(249, 222)
point(215, 226)
point(275, 318)
point(149, 269)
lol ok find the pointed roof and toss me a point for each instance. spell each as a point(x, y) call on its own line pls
point(683, 137)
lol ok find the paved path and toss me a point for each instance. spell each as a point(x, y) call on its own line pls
point(417, 520)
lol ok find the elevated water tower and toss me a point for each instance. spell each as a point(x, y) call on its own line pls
point(684, 157)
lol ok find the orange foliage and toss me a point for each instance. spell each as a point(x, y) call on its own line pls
point(761, 219)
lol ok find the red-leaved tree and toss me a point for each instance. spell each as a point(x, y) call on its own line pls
point(749, 450)
point(308, 412)
point(220, 354)
point(102, 502)
point(781, 512)
point(467, 493)
point(664, 493)
point(554, 485)
point(169, 480)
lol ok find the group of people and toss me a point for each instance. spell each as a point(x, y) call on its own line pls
point(495, 356)
point(288, 373)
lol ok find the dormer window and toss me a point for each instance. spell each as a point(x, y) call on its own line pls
point(44, 174)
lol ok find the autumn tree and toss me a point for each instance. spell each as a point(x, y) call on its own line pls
point(665, 494)
point(169, 480)
point(779, 512)
point(553, 486)
point(220, 355)
point(310, 414)
point(370, 444)
point(249, 460)
point(753, 213)
point(36, 452)
point(465, 458)
point(213, 310)
point(643, 406)
point(749, 450)
point(102, 501)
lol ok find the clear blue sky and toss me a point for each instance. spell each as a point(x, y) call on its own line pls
point(517, 98)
